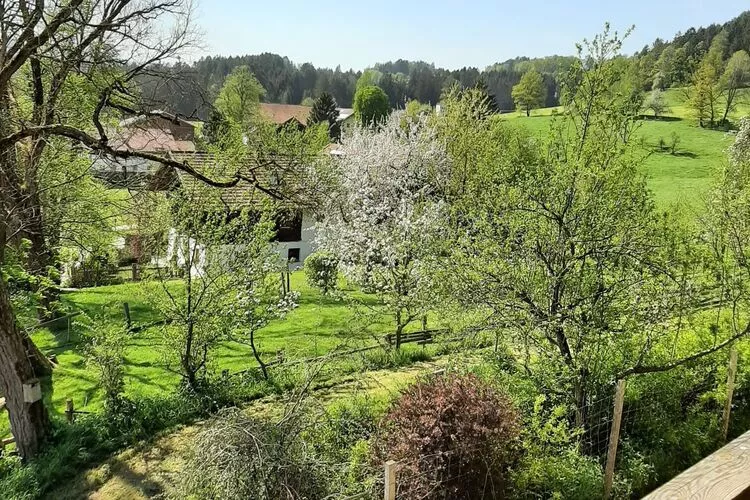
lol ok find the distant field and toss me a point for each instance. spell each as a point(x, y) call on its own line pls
point(684, 177)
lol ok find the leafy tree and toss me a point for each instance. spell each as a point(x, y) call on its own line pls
point(704, 93)
point(369, 78)
point(655, 102)
point(530, 92)
point(588, 288)
point(308, 101)
point(325, 110)
point(371, 105)
point(736, 76)
point(67, 73)
point(386, 216)
point(240, 95)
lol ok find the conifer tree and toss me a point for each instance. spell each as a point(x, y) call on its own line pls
point(325, 109)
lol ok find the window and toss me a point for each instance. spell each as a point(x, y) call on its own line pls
point(293, 255)
point(289, 227)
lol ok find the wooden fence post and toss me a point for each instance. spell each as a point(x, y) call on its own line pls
point(70, 411)
point(731, 373)
point(128, 322)
point(390, 480)
point(614, 439)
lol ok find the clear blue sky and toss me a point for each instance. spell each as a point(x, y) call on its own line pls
point(451, 34)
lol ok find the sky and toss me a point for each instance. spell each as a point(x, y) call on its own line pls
point(452, 34)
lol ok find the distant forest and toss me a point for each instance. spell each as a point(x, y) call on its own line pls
point(661, 64)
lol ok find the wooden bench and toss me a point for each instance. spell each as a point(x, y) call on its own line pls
point(421, 338)
point(722, 475)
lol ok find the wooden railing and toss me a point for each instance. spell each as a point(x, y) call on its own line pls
point(724, 475)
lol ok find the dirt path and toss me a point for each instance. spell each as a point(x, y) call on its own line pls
point(151, 470)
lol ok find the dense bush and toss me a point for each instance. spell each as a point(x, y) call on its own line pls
point(321, 269)
point(94, 270)
point(451, 435)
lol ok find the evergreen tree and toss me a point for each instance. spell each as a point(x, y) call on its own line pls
point(489, 98)
point(325, 109)
point(215, 127)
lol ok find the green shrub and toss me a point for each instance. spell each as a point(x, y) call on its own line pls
point(95, 270)
point(321, 270)
point(452, 435)
point(567, 474)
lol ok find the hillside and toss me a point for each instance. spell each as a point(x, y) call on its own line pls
point(682, 177)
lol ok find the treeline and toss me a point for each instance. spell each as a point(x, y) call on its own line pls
point(193, 87)
point(672, 64)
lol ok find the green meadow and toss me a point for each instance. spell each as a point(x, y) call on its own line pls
point(681, 178)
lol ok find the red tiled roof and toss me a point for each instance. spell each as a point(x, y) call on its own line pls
point(283, 113)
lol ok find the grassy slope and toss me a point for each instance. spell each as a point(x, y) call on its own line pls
point(682, 178)
point(316, 327)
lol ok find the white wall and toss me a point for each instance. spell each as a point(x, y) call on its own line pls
point(306, 244)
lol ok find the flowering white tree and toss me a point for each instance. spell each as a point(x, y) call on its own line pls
point(388, 214)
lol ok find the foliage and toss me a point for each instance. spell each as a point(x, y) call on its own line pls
point(387, 214)
point(530, 92)
point(239, 96)
point(219, 255)
point(321, 269)
point(656, 103)
point(577, 287)
point(94, 270)
point(371, 105)
point(105, 351)
point(736, 76)
point(452, 435)
point(325, 109)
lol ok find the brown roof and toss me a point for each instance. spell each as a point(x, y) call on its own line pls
point(155, 134)
point(283, 113)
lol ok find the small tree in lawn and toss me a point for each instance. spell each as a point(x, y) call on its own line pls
point(655, 102)
point(388, 214)
point(325, 109)
point(212, 248)
point(258, 299)
point(371, 105)
point(530, 92)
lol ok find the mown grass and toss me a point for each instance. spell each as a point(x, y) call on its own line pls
point(319, 325)
point(680, 179)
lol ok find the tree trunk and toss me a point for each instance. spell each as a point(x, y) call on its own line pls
point(528, 112)
point(29, 422)
point(262, 365)
point(188, 370)
point(399, 331)
point(19, 358)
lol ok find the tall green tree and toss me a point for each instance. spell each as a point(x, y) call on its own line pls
point(530, 92)
point(371, 105)
point(560, 239)
point(325, 110)
point(736, 76)
point(240, 95)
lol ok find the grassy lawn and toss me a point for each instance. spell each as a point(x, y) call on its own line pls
point(317, 326)
point(682, 178)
